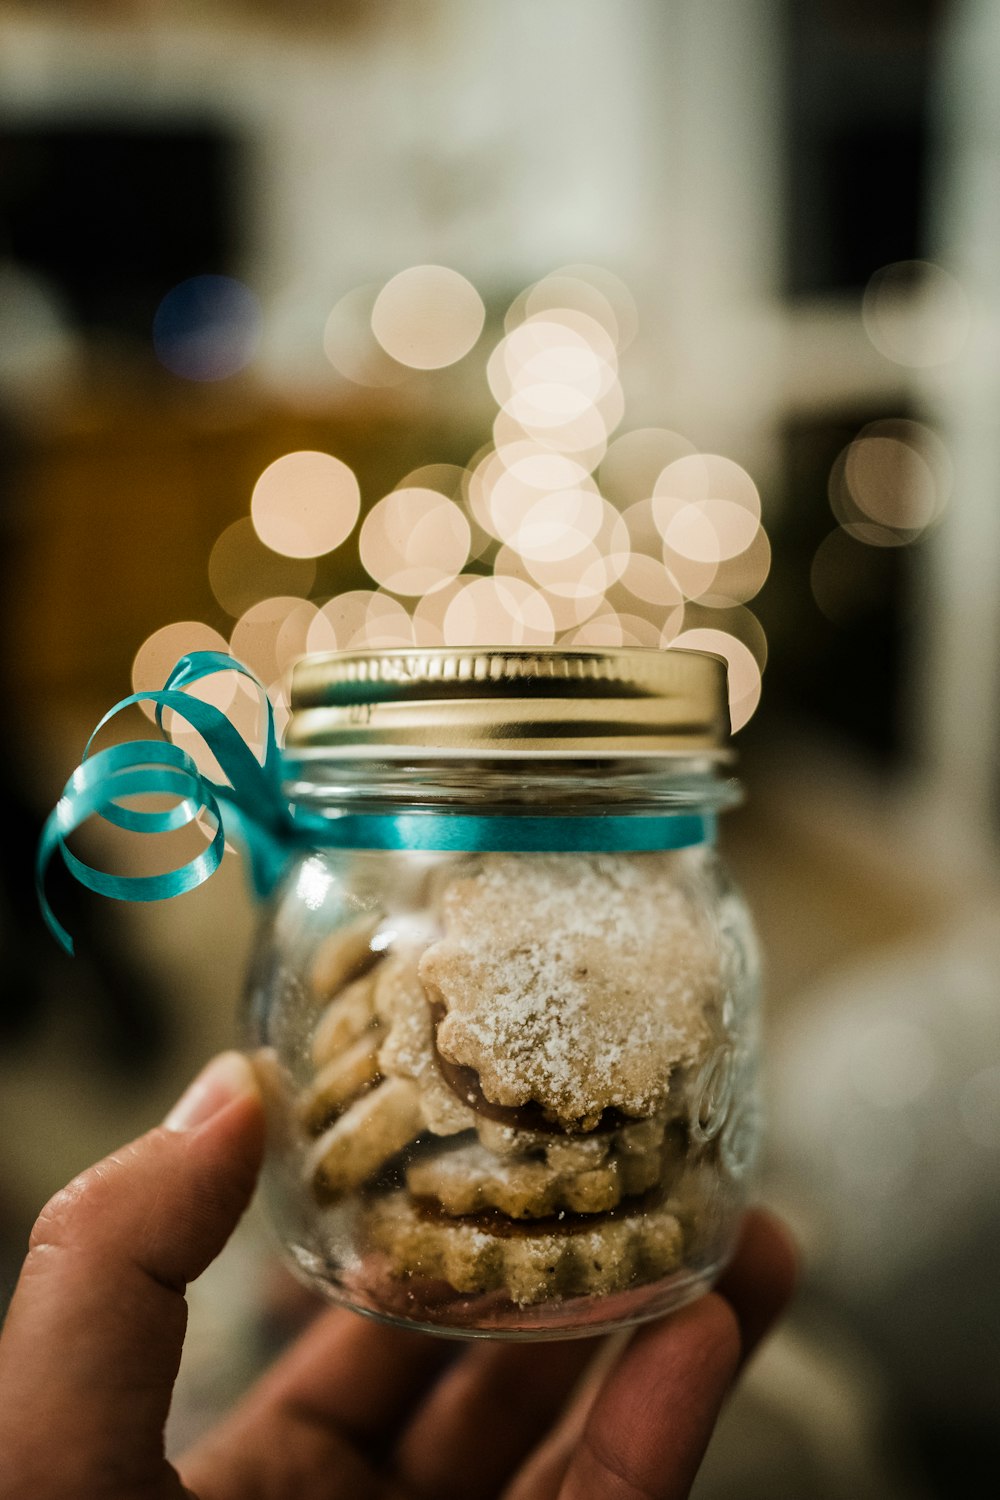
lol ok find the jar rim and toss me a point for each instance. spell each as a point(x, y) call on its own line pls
point(509, 702)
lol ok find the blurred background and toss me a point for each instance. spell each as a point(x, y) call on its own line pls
point(558, 321)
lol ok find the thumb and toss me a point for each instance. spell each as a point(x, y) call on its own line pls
point(92, 1342)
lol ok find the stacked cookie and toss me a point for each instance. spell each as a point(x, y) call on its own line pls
point(501, 1094)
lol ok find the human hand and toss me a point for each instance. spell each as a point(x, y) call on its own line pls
point(356, 1410)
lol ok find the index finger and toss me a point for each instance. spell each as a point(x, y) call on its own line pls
point(650, 1424)
point(642, 1429)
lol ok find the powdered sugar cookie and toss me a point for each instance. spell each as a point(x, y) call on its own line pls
point(407, 1050)
point(349, 1014)
point(570, 982)
point(343, 953)
point(531, 1264)
point(339, 1082)
point(367, 1135)
point(467, 1179)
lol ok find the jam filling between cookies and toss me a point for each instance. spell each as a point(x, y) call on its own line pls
point(494, 1221)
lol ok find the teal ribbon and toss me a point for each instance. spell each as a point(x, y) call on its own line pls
point(518, 833)
point(252, 807)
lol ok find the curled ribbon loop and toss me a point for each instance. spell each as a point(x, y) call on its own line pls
point(105, 777)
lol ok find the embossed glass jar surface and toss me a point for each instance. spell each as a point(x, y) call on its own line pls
point(506, 1018)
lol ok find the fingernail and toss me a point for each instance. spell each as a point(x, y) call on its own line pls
point(224, 1079)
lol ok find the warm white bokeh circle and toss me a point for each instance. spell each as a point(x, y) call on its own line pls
point(351, 346)
point(160, 653)
point(360, 618)
point(305, 504)
point(498, 612)
point(916, 313)
point(635, 461)
point(242, 570)
point(261, 637)
point(428, 317)
point(891, 482)
point(742, 670)
point(414, 540)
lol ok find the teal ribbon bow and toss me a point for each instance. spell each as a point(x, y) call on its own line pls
point(253, 809)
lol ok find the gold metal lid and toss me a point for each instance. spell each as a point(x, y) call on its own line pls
point(508, 701)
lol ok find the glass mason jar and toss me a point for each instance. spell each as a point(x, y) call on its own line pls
point(505, 999)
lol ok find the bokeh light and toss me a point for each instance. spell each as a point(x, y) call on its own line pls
point(428, 317)
point(305, 504)
point(542, 523)
point(414, 540)
point(638, 631)
point(666, 614)
point(591, 290)
point(737, 621)
point(337, 622)
point(504, 486)
point(585, 435)
point(707, 486)
point(739, 579)
point(644, 534)
point(568, 596)
point(452, 480)
point(351, 346)
point(563, 292)
point(635, 461)
point(847, 577)
point(241, 570)
point(245, 711)
point(613, 628)
point(447, 479)
point(554, 376)
point(601, 630)
point(556, 529)
point(260, 639)
point(293, 635)
point(498, 612)
point(648, 579)
point(160, 653)
point(482, 474)
point(359, 618)
point(707, 511)
point(615, 293)
point(430, 611)
point(614, 548)
point(225, 690)
point(207, 328)
point(387, 624)
point(742, 670)
point(890, 483)
point(916, 313)
point(558, 526)
point(694, 577)
point(582, 576)
point(571, 354)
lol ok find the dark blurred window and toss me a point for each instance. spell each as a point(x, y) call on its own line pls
point(858, 84)
point(857, 87)
point(835, 609)
point(114, 214)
